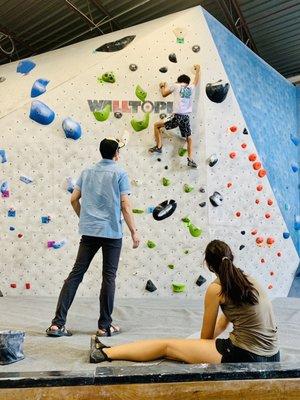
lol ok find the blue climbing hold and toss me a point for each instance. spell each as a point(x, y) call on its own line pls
point(3, 157)
point(39, 87)
point(41, 113)
point(59, 245)
point(297, 222)
point(71, 128)
point(25, 66)
point(4, 187)
point(70, 185)
point(286, 235)
point(295, 167)
point(295, 139)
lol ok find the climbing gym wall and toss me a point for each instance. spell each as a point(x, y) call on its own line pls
point(59, 106)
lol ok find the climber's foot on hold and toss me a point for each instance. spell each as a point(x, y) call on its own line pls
point(155, 149)
point(191, 163)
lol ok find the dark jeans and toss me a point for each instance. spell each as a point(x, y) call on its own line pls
point(88, 247)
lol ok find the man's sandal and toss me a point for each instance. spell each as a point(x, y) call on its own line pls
point(61, 331)
point(110, 331)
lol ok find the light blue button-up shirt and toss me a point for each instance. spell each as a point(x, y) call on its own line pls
point(101, 188)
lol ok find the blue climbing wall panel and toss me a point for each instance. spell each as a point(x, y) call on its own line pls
point(268, 103)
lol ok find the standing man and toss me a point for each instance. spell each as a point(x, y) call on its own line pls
point(104, 192)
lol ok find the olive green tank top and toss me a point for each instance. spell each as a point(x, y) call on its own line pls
point(254, 326)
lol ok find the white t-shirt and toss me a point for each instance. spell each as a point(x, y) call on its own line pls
point(183, 98)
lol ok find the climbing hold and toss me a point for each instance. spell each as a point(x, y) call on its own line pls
point(194, 231)
point(140, 93)
point(39, 87)
point(287, 207)
point(257, 201)
point(186, 220)
point(108, 77)
point(166, 167)
point(252, 157)
point(4, 189)
point(173, 58)
point(262, 173)
point(25, 66)
point(270, 287)
point(243, 232)
point(295, 167)
point(117, 45)
point(259, 240)
point(164, 210)
point(182, 151)
point(142, 124)
point(3, 157)
point(229, 185)
point(11, 212)
point(150, 287)
point(103, 114)
point(200, 280)
point(256, 165)
point(26, 179)
point(133, 67)
point(212, 160)
point(11, 228)
point(259, 188)
point(271, 273)
point(163, 70)
point(46, 219)
point(216, 199)
point(202, 190)
point(70, 184)
point(58, 245)
point(150, 210)
point(245, 132)
point(186, 252)
point(166, 182)
point(159, 159)
point(171, 266)
point(71, 128)
point(162, 116)
point(286, 235)
point(232, 154)
point(297, 222)
point(20, 235)
point(13, 285)
point(295, 139)
point(151, 244)
point(217, 91)
point(267, 215)
point(270, 202)
point(241, 247)
point(178, 287)
point(262, 260)
point(137, 211)
point(270, 241)
point(27, 285)
point(238, 214)
point(279, 254)
point(41, 113)
point(187, 188)
point(243, 145)
point(254, 232)
point(2, 79)
point(118, 115)
point(196, 48)
point(203, 204)
point(233, 129)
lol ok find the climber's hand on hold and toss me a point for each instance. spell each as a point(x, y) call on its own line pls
point(197, 67)
point(162, 85)
point(197, 74)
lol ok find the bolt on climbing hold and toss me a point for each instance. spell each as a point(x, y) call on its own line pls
point(216, 199)
point(245, 132)
point(166, 182)
point(139, 125)
point(229, 185)
point(26, 179)
point(166, 167)
point(150, 287)
point(140, 93)
point(259, 188)
point(233, 154)
point(262, 173)
point(117, 45)
point(279, 254)
point(27, 285)
point(238, 214)
point(71, 128)
point(187, 188)
point(295, 140)
point(257, 201)
point(202, 190)
point(217, 91)
point(243, 232)
point(118, 115)
point(46, 219)
point(270, 241)
point(270, 287)
point(164, 210)
point(212, 160)
point(186, 220)
point(133, 67)
point(25, 66)
point(295, 167)
point(137, 211)
point(102, 115)
point(233, 129)
point(173, 58)
point(3, 158)
point(203, 204)
point(162, 116)
point(196, 48)
point(171, 266)
point(107, 77)
point(286, 235)
point(200, 280)
point(243, 145)
point(270, 202)
point(252, 157)
point(11, 212)
point(256, 165)
point(20, 235)
point(2, 79)
point(186, 252)
point(151, 244)
point(262, 260)
point(259, 240)
point(41, 113)
point(194, 231)
point(242, 246)
point(39, 87)
point(182, 151)
point(254, 232)
point(267, 215)
point(13, 285)
point(178, 287)
point(70, 184)
point(163, 70)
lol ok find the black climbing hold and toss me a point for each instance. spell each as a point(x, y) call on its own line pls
point(162, 116)
point(216, 199)
point(196, 48)
point(212, 160)
point(133, 67)
point(159, 159)
point(245, 132)
point(217, 91)
point(116, 45)
point(164, 210)
point(203, 204)
point(163, 69)
point(241, 247)
point(118, 114)
point(2, 79)
point(200, 280)
point(202, 190)
point(150, 287)
point(1, 294)
point(173, 58)
point(243, 232)
point(166, 167)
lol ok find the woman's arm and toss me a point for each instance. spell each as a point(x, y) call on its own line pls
point(211, 308)
point(221, 325)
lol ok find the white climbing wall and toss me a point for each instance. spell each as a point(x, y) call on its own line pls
point(44, 154)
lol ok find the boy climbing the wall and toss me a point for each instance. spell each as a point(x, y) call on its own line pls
point(183, 93)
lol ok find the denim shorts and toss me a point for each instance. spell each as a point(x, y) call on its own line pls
point(233, 354)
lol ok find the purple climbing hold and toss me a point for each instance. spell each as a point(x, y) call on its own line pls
point(25, 66)
point(117, 45)
point(39, 87)
point(41, 113)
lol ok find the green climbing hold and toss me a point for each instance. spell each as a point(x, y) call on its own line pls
point(171, 266)
point(103, 114)
point(151, 244)
point(187, 188)
point(178, 287)
point(194, 231)
point(186, 220)
point(140, 93)
point(182, 151)
point(142, 124)
point(108, 77)
point(137, 211)
point(186, 251)
point(166, 182)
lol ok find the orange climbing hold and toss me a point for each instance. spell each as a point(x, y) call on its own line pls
point(238, 214)
point(254, 232)
point(233, 129)
point(271, 273)
point(27, 285)
point(259, 240)
point(279, 254)
point(259, 188)
point(270, 202)
point(262, 260)
point(232, 154)
point(252, 157)
point(20, 235)
point(243, 145)
point(229, 184)
point(270, 241)
point(257, 165)
point(257, 201)
point(270, 287)
point(262, 173)
point(13, 285)
point(267, 215)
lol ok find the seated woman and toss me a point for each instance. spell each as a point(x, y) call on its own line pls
point(243, 302)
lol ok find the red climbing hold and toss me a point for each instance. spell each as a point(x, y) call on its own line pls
point(259, 240)
point(238, 214)
point(254, 232)
point(13, 285)
point(270, 202)
point(243, 145)
point(262, 260)
point(259, 188)
point(270, 287)
point(270, 241)
point(252, 157)
point(267, 215)
point(232, 154)
point(271, 273)
point(20, 235)
point(279, 254)
point(229, 184)
point(27, 285)
point(257, 201)
point(262, 173)
point(233, 129)
point(256, 165)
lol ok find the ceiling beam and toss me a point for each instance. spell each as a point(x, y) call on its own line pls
point(17, 39)
point(88, 21)
point(99, 5)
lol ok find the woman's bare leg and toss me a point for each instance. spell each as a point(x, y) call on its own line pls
point(191, 351)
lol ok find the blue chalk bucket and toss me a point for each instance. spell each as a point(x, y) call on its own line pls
point(11, 346)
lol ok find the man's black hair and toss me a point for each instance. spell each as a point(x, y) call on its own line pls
point(108, 148)
point(184, 79)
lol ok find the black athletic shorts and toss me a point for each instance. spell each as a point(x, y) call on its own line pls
point(234, 354)
point(182, 121)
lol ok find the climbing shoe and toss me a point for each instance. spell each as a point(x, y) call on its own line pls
point(191, 163)
point(155, 149)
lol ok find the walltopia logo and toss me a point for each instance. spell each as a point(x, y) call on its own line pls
point(132, 106)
